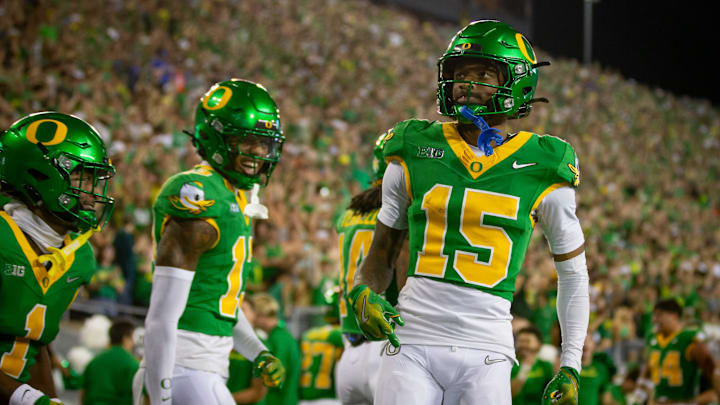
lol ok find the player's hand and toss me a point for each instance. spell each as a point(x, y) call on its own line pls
point(375, 316)
point(562, 389)
point(270, 368)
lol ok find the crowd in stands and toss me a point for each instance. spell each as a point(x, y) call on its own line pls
point(342, 72)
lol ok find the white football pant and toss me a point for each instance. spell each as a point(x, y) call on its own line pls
point(356, 374)
point(189, 387)
point(447, 375)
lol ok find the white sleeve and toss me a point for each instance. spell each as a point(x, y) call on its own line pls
point(556, 214)
point(170, 290)
point(395, 200)
point(245, 340)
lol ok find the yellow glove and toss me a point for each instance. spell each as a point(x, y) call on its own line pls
point(562, 389)
point(270, 368)
point(375, 316)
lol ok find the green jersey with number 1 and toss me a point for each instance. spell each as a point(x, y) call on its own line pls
point(471, 217)
point(33, 299)
point(219, 283)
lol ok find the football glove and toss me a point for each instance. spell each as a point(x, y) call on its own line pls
point(270, 368)
point(375, 316)
point(562, 389)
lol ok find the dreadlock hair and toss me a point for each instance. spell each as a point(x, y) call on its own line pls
point(367, 201)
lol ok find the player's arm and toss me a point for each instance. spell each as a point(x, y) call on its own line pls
point(41, 373)
point(373, 313)
point(181, 245)
point(556, 215)
point(254, 393)
point(265, 364)
point(700, 354)
point(401, 265)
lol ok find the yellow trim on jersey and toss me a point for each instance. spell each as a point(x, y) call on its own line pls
point(407, 173)
point(664, 341)
point(217, 229)
point(470, 160)
point(44, 278)
point(542, 197)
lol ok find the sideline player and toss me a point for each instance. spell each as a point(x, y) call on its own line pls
point(357, 370)
point(203, 233)
point(55, 169)
point(470, 199)
point(679, 367)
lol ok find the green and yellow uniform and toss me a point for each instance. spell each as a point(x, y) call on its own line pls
point(540, 374)
point(355, 233)
point(219, 283)
point(321, 349)
point(108, 378)
point(595, 379)
point(676, 378)
point(33, 298)
point(470, 217)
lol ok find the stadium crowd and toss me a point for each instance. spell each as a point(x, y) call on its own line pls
point(342, 72)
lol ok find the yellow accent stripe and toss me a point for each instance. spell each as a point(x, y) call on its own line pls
point(217, 228)
point(41, 274)
point(542, 197)
point(407, 173)
point(664, 341)
point(467, 157)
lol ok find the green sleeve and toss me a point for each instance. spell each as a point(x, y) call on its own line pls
point(567, 167)
point(86, 262)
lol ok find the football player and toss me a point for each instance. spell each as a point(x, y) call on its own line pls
point(321, 348)
point(470, 198)
point(679, 366)
point(357, 369)
point(202, 229)
point(55, 170)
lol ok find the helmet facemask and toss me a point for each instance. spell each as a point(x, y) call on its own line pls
point(499, 103)
point(85, 200)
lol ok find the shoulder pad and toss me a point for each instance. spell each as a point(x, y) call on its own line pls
point(395, 139)
point(188, 195)
point(568, 167)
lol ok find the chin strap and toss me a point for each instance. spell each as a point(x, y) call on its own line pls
point(58, 257)
point(255, 209)
point(487, 133)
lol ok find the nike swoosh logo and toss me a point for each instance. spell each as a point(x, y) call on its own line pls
point(23, 395)
point(165, 399)
point(488, 361)
point(517, 166)
point(71, 279)
point(362, 315)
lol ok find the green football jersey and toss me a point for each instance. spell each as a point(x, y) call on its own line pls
point(540, 374)
point(676, 378)
point(470, 217)
point(321, 349)
point(355, 233)
point(240, 372)
point(219, 283)
point(33, 299)
point(595, 379)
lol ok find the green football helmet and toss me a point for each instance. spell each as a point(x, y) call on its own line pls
point(232, 115)
point(55, 161)
point(509, 51)
point(378, 163)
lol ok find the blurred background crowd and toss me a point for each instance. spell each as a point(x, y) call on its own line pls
point(342, 72)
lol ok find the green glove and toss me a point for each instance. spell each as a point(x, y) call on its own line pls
point(562, 389)
point(270, 368)
point(375, 316)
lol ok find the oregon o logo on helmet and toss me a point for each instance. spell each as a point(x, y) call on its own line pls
point(521, 40)
point(227, 93)
point(268, 124)
point(466, 45)
point(58, 136)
